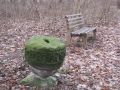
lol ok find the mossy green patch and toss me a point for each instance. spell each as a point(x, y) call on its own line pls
point(45, 52)
point(32, 80)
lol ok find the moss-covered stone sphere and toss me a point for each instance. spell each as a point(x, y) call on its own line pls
point(45, 52)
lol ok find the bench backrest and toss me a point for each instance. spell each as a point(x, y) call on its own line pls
point(74, 21)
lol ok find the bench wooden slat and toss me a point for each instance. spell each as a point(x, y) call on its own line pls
point(75, 22)
point(83, 30)
point(74, 26)
point(91, 29)
point(80, 31)
point(73, 15)
point(74, 19)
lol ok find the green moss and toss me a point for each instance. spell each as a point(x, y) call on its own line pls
point(44, 51)
point(32, 80)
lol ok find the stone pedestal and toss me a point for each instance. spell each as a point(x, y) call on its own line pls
point(44, 55)
point(34, 80)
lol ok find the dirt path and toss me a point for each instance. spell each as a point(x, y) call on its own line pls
point(97, 68)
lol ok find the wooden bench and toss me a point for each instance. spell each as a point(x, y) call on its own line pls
point(76, 27)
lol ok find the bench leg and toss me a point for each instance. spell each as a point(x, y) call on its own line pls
point(69, 37)
point(84, 39)
point(94, 34)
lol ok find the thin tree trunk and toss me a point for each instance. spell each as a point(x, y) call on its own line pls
point(118, 4)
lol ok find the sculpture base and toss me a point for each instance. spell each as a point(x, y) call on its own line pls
point(34, 80)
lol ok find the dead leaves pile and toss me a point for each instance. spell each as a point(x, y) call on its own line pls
point(97, 68)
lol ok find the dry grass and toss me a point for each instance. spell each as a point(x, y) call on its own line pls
point(95, 11)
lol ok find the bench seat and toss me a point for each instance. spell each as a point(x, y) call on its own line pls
point(82, 30)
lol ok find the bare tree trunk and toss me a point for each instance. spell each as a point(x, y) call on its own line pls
point(118, 4)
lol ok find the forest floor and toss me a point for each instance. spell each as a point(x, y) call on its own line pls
point(97, 68)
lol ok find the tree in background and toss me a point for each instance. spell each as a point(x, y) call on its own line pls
point(118, 4)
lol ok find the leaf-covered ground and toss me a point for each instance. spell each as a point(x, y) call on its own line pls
point(97, 68)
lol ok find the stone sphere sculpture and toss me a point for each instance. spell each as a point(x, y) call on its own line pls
point(45, 55)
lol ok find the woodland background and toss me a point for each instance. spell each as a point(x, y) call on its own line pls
point(97, 68)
